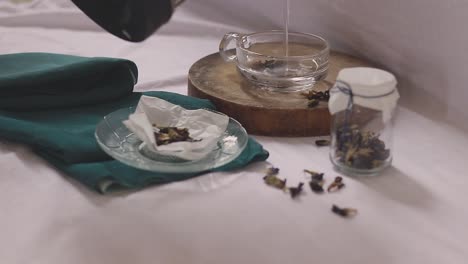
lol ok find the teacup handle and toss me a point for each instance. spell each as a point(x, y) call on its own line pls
point(223, 51)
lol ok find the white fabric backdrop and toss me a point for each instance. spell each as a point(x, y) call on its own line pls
point(415, 213)
point(421, 41)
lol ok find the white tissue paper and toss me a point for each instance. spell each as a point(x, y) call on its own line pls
point(203, 125)
point(366, 83)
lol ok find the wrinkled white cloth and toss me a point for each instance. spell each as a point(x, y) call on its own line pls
point(204, 126)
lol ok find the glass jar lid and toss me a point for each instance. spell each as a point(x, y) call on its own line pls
point(368, 87)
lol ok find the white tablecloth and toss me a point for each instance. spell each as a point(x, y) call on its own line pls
point(414, 213)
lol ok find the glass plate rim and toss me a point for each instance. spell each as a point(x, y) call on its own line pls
point(172, 168)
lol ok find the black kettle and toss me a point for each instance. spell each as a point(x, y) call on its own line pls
point(132, 20)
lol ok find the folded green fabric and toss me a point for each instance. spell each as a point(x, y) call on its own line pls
point(31, 81)
point(53, 102)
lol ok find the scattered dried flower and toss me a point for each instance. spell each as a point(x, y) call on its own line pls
point(316, 187)
point(316, 176)
point(316, 182)
point(312, 103)
point(295, 191)
point(337, 184)
point(344, 212)
point(322, 142)
point(272, 180)
point(317, 95)
point(272, 171)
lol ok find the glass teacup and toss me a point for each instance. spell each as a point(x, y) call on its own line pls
point(265, 59)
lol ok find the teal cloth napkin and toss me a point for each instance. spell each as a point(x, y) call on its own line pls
point(52, 103)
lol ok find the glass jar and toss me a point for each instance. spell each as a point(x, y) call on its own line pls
point(362, 104)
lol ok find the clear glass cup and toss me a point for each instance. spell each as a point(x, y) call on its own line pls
point(265, 59)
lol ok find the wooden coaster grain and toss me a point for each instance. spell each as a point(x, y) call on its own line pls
point(264, 112)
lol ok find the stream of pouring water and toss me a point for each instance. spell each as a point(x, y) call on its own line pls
point(286, 27)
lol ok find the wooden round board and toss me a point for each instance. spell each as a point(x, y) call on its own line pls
point(264, 112)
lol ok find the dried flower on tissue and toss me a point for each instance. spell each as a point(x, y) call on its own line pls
point(167, 135)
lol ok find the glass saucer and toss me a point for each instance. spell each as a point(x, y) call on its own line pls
point(123, 145)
